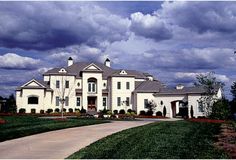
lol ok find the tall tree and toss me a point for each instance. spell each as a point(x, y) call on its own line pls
point(209, 83)
point(233, 90)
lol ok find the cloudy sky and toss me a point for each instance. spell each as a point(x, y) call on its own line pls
point(174, 41)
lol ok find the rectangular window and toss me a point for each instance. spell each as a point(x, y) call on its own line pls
point(104, 101)
point(118, 101)
point(57, 101)
point(200, 107)
point(127, 101)
point(78, 101)
point(57, 84)
point(145, 103)
point(66, 101)
point(118, 85)
point(127, 85)
point(91, 87)
point(67, 84)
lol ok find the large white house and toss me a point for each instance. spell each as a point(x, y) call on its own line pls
point(96, 86)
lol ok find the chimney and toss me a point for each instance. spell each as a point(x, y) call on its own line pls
point(179, 86)
point(70, 61)
point(107, 62)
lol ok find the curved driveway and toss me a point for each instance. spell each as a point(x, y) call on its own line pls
point(61, 143)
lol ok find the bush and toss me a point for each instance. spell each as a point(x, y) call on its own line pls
point(220, 110)
point(115, 112)
point(142, 113)
point(109, 112)
point(164, 111)
point(77, 110)
point(49, 110)
point(122, 111)
point(70, 110)
point(33, 111)
point(104, 111)
point(41, 111)
point(83, 110)
point(64, 109)
point(129, 110)
point(57, 110)
point(158, 113)
point(149, 113)
point(21, 110)
point(133, 113)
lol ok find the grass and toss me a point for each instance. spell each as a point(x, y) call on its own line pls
point(172, 140)
point(20, 126)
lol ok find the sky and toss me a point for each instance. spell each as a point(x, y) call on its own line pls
point(174, 41)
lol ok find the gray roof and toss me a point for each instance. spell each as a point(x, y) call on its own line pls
point(76, 69)
point(148, 86)
point(185, 90)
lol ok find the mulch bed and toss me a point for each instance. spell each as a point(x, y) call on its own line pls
point(206, 120)
point(227, 140)
point(159, 117)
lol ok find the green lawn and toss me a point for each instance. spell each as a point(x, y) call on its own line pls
point(20, 126)
point(162, 140)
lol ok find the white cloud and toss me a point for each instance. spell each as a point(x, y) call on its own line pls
point(14, 61)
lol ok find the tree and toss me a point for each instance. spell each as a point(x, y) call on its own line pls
point(151, 106)
point(233, 90)
point(209, 83)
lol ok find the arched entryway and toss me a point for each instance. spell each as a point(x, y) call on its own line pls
point(179, 108)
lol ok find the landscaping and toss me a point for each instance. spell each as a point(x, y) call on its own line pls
point(25, 125)
point(161, 140)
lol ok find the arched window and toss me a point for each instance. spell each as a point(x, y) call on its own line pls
point(33, 100)
point(92, 85)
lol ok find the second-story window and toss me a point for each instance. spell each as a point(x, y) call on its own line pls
point(57, 84)
point(118, 85)
point(91, 87)
point(67, 84)
point(127, 85)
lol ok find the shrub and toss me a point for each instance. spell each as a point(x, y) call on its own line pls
point(109, 112)
point(133, 113)
point(115, 112)
point(129, 110)
point(21, 110)
point(33, 111)
point(122, 111)
point(158, 113)
point(142, 113)
point(77, 110)
point(191, 111)
point(41, 111)
point(164, 111)
point(49, 110)
point(70, 110)
point(149, 113)
point(83, 110)
point(220, 110)
point(104, 111)
point(57, 110)
point(64, 109)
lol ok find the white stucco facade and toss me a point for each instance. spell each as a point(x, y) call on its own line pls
point(95, 86)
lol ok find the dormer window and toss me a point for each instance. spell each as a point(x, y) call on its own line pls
point(123, 72)
point(62, 70)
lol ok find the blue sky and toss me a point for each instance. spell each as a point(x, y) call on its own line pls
point(174, 41)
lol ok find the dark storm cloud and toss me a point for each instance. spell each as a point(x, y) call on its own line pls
point(201, 16)
point(43, 26)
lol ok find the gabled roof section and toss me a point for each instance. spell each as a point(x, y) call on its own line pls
point(35, 84)
point(92, 67)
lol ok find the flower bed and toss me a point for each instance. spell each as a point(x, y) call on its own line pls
point(159, 117)
point(2, 121)
point(206, 120)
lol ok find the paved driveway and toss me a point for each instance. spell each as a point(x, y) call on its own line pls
point(61, 143)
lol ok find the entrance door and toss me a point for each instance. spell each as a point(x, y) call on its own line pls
point(91, 103)
point(173, 107)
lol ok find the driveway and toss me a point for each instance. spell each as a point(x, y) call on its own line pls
point(61, 143)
